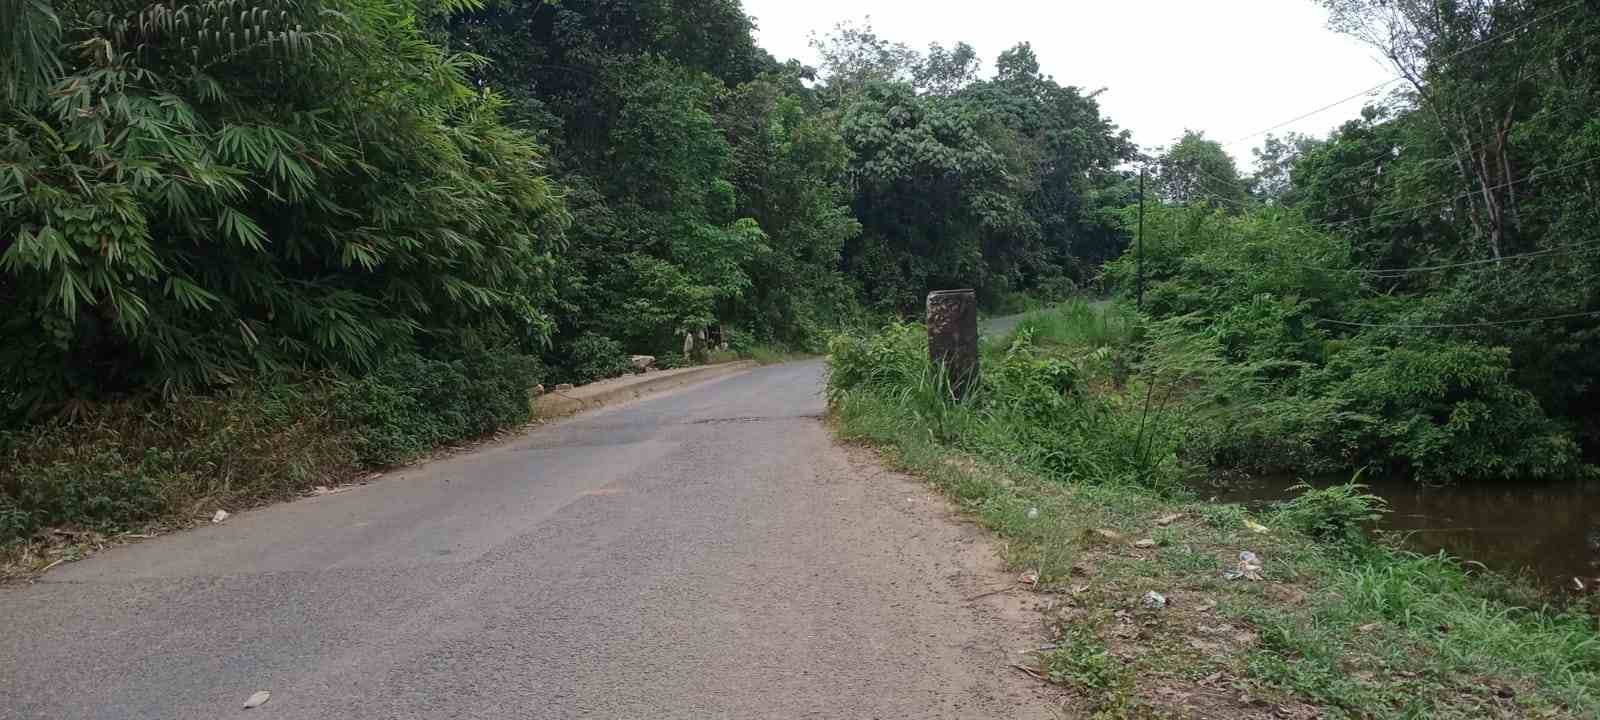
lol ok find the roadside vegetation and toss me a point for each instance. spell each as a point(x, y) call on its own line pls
point(228, 227)
point(253, 247)
point(1076, 447)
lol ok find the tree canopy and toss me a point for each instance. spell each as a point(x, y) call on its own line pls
point(195, 193)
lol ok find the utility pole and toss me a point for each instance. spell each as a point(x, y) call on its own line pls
point(1140, 240)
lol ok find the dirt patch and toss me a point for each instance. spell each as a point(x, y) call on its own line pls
point(979, 590)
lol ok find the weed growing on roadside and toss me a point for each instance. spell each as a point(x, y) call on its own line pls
point(1338, 626)
point(1337, 515)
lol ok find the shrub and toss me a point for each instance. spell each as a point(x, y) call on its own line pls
point(1028, 408)
point(412, 404)
point(895, 358)
point(1444, 410)
point(1334, 514)
point(119, 464)
point(1299, 392)
point(593, 357)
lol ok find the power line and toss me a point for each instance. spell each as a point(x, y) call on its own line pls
point(1397, 272)
point(1315, 112)
point(1397, 78)
point(1452, 326)
point(1571, 52)
point(1463, 196)
point(1412, 208)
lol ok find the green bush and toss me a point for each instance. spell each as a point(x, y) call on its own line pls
point(139, 460)
point(183, 210)
point(895, 358)
point(1296, 391)
point(1081, 325)
point(1443, 410)
point(593, 357)
point(412, 404)
point(1337, 514)
point(94, 488)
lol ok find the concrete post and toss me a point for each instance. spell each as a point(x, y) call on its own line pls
point(953, 337)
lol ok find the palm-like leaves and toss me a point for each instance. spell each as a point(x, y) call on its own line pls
point(208, 188)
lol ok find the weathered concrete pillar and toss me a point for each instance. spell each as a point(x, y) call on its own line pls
point(953, 336)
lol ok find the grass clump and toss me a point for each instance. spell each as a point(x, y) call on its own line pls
point(1337, 514)
point(1333, 624)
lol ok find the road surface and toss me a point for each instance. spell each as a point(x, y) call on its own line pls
point(707, 553)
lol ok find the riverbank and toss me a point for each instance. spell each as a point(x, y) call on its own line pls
point(1078, 475)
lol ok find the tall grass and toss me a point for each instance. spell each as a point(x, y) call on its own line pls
point(1050, 447)
point(1029, 406)
point(1081, 325)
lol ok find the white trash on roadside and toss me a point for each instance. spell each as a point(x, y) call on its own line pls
point(1249, 567)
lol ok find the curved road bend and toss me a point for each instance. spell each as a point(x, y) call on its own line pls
point(706, 553)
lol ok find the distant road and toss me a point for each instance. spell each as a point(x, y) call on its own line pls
point(999, 326)
point(708, 553)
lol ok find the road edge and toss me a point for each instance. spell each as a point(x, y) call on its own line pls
point(564, 403)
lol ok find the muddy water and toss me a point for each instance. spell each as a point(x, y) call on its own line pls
point(1551, 531)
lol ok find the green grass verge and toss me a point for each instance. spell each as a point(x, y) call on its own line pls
point(1338, 626)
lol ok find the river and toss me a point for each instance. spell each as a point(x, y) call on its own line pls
point(1550, 531)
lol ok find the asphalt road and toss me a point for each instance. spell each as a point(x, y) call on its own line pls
point(708, 553)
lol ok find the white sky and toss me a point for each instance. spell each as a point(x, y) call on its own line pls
point(1225, 67)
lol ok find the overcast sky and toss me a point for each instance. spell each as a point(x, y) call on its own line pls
point(1225, 67)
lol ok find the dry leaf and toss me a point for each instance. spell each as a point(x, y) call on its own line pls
point(257, 700)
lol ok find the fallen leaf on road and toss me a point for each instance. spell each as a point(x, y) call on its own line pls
point(257, 700)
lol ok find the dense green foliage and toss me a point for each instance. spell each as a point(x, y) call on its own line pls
point(1000, 184)
point(125, 464)
point(1303, 394)
point(1418, 291)
point(195, 194)
point(192, 193)
point(1443, 639)
point(441, 203)
point(412, 404)
point(1033, 405)
point(436, 205)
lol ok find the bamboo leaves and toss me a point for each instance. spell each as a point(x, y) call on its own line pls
point(223, 186)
